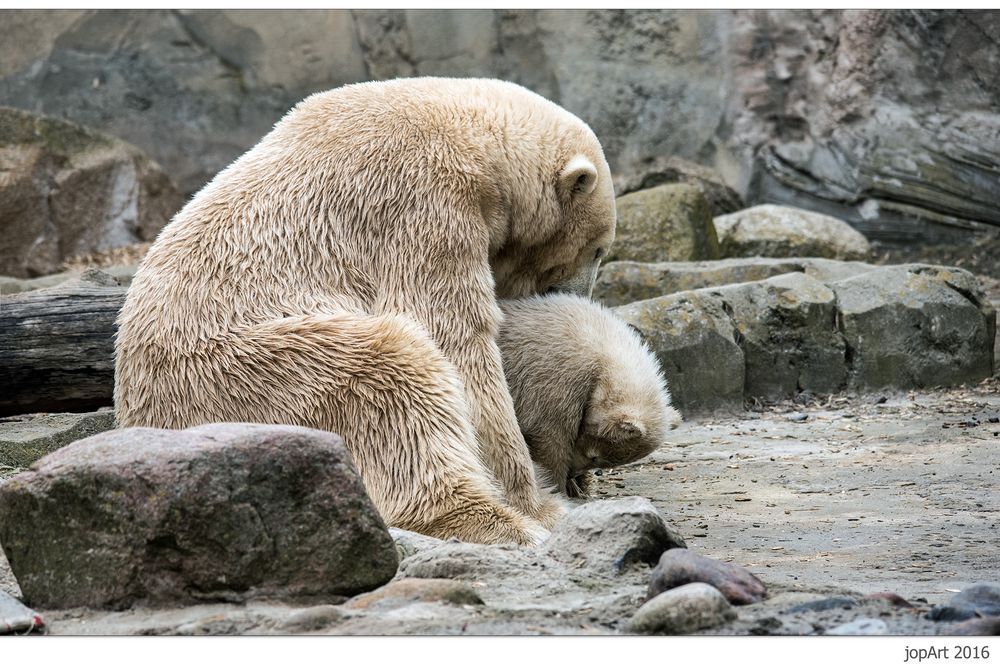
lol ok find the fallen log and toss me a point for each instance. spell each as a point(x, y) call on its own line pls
point(57, 346)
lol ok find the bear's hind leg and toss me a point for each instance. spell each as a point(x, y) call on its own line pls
point(384, 386)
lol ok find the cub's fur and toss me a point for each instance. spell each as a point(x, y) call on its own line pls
point(343, 274)
point(587, 391)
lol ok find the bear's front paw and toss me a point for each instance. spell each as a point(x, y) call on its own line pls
point(578, 486)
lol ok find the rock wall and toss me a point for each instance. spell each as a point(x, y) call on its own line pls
point(888, 119)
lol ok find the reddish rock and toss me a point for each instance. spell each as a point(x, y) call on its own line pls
point(217, 512)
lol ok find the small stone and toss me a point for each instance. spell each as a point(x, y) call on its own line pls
point(861, 626)
point(798, 417)
point(409, 543)
point(682, 610)
point(824, 604)
point(311, 619)
point(678, 567)
point(982, 599)
point(612, 533)
point(406, 591)
point(986, 626)
point(892, 598)
point(16, 618)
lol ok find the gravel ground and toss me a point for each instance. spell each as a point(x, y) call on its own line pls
point(844, 495)
point(869, 493)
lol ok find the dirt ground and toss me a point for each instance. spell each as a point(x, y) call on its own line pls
point(893, 492)
point(871, 493)
point(865, 493)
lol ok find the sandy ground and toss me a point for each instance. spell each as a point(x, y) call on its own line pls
point(863, 494)
point(873, 493)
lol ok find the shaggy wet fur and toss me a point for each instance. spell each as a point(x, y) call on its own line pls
point(587, 391)
point(343, 274)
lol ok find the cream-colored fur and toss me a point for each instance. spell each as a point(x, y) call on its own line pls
point(587, 391)
point(343, 274)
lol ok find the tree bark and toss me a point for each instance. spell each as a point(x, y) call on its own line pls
point(57, 346)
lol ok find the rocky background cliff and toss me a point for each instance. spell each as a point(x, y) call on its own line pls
point(807, 241)
point(889, 120)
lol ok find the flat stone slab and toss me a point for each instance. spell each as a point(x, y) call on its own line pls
point(25, 439)
point(218, 512)
point(623, 282)
point(842, 328)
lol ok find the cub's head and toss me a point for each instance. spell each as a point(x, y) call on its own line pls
point(559, 233)
point(629, 412)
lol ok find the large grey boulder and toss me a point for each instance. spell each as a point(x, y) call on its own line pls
point(66, 190)
point(216, 512)
point(665, 223)
point(915, 326)
point(695, 342)
point(787, 329)
point(26, 438)
point(782, 231)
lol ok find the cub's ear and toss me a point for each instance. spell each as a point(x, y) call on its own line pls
point(578, 177)
point(624, 428)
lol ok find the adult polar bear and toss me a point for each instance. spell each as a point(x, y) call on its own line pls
point(344, 273)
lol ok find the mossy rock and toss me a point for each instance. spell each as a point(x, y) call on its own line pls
point(667, 223)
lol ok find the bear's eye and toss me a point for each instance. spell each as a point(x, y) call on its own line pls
point(599, 253)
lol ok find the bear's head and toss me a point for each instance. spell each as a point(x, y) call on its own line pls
point(555, 243)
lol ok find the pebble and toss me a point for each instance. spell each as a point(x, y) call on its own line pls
point(892, 598)
point(798, 417)
point(682, 610)
point(861, 626)
point(988, 626)
point(824, 604)
point(311, 619)
point(16, 618)
point(982, 599)
point(683, 566)
point(407, 590)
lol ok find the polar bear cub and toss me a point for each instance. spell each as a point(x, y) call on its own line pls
point(587, 391)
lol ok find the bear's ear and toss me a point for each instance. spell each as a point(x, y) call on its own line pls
point(578, 177)
point(624, 428)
